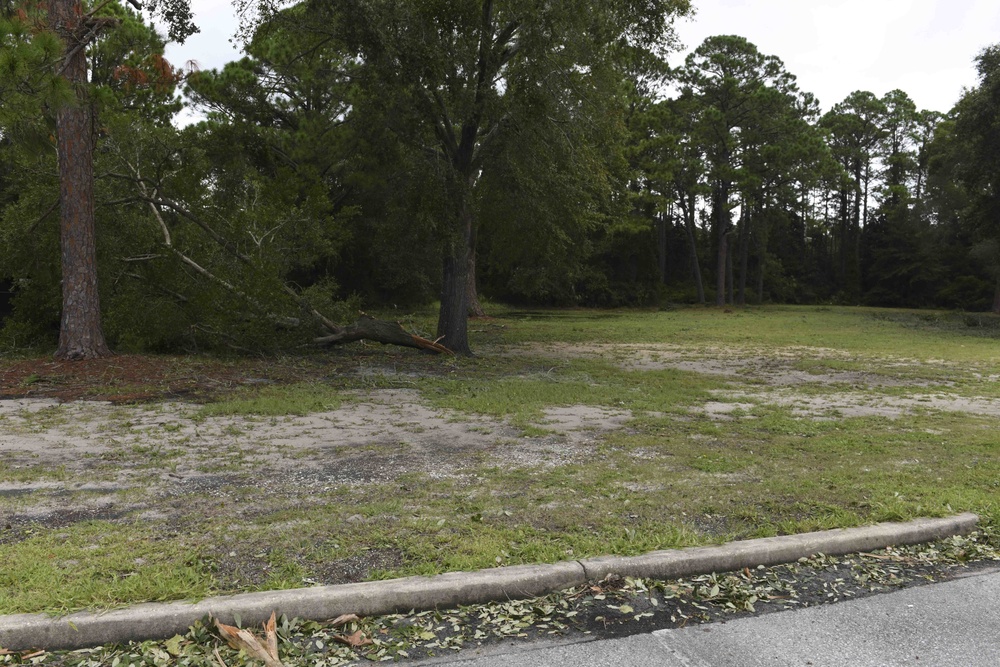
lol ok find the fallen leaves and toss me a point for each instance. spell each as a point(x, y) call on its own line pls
point(355, 640)
point(248, 642)
point(344, 619)
point(350, 638)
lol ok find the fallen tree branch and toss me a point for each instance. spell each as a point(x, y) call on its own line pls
point(365, 328)
point(379, 331)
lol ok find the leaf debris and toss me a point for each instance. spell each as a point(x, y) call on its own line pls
point(616, 605)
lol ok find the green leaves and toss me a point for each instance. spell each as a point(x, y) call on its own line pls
point(176, 14)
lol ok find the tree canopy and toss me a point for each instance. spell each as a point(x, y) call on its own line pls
point(374, 153)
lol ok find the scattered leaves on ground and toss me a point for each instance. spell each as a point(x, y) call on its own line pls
point(616, 606)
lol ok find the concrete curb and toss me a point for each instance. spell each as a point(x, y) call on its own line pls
point(158, 621)
point(776, 550)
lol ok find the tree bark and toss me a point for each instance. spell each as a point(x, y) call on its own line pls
point(843, 223)
point(453, 317)
point(472, 295)
point(379, 331)
point(729, 272)
point(854, 266)
point(661, 246)
point(689, 227)
point(80, 333)
point(720, 277)
point(722, 231)
point(744, 253)
point(996, 297)
point(760, 239)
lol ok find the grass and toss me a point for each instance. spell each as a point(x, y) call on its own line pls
point(523, 398)
point(875, 332)
point(97, 565)
point(674, 475)
point(293, 399)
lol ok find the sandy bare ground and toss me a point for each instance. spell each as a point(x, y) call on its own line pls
point(777, 377)
point(73, 459)
point(70, 461)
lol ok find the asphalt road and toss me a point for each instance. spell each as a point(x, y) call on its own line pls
point(950, 624)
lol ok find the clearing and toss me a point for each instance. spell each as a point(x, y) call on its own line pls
point(572, 433)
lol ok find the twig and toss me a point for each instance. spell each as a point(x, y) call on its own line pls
point(98, 8)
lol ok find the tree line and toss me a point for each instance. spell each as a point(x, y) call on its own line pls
point(381, 154)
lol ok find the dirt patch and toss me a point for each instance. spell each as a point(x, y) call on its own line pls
point(720, 411)
point(71, 458)
point(125, 458)
point(125, 378)
point(851, 404)
point(776, 372)
point(775, 368)
point(97, 458)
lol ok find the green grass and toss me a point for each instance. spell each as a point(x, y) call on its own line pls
point(673, 476)
point(522, 398)
point(272, 401)
point(97, 565)
point(897, 334)
point(33, 473)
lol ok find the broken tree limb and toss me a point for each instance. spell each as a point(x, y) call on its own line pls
point(365, 328)
point(379, 331)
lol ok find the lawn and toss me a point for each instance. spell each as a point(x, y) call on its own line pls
point(572, 433)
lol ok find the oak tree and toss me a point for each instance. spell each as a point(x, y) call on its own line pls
point(460, 78)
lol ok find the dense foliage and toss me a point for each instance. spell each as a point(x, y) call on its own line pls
point(539, 153)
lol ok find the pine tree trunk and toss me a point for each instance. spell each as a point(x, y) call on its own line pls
point(760, 239)
point(996, 297)
point(744, 254)
point(693, 248)
point(729, 272)
point(854, 266)
point(722, 231)
point(80, 333)
point(843, 224)
point(661, 246)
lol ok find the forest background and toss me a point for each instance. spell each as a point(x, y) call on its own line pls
point(383, 155)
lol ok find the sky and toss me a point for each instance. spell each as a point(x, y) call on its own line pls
point(923, 47)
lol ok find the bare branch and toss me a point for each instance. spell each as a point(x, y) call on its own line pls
point(365, 328)
point(141, 258)
point(218, 238)
point(98, 8)
point(443, 126)
point(177, 295)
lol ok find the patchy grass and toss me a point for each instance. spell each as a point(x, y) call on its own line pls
point(20, 474)
point(276, 401)
point(921, 335)
point(675, 474)
point(523, 398)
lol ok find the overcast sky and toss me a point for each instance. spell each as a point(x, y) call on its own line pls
point(834, 47)
point(924, 47)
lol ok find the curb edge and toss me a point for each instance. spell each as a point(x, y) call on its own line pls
point(371, 598)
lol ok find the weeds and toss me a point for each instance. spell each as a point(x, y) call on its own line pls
point(663, 468)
